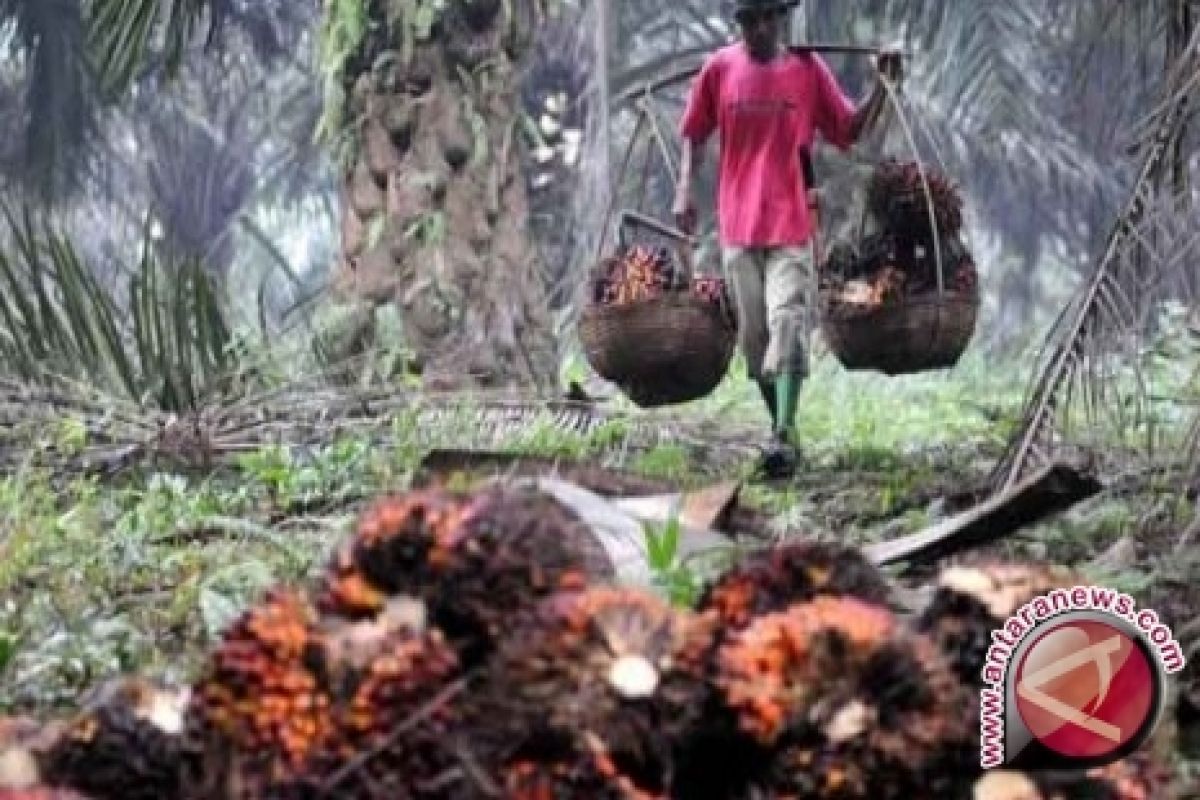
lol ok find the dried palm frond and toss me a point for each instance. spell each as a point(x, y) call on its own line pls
point(1107, 314)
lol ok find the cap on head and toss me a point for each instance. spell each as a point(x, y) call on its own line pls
point(751, 8)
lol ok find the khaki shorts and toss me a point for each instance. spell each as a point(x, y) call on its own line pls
point(772, 288)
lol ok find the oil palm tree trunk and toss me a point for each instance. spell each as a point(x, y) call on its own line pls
point(435, 213)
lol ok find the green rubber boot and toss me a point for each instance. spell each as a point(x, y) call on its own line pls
point(787, 398)
point(770, 399)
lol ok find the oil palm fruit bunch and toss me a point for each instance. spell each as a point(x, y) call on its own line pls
point(897, 198)
point(714, 290)
point(573, 777)
point(973, 598)
point(23, 740)
point(475, 560)
point(844, 703)
point(639, 272)
point(772, 579)
point(603, 683)
point(259, 711)
point(125, 742)
point(1133, 778)
point(389, 553)
point(394, 685)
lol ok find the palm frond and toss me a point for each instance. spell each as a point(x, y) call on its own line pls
point(168, 346)
point(123, 32)
point(1106, 314)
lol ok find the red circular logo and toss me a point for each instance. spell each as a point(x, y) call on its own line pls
point(1085, 688)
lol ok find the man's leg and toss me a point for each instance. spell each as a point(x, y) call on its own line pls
point(745, 276)
point(789, 277)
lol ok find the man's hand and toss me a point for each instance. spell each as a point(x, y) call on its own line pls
point(890, 65)
point(684, 211)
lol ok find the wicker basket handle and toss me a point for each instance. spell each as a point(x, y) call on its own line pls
point(684, 243)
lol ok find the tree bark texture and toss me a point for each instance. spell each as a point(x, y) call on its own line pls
point(434, 206)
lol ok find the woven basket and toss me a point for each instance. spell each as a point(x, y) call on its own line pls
point(920, 333)
point(673, 349)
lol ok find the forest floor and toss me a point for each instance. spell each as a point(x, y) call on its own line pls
point(100, 577)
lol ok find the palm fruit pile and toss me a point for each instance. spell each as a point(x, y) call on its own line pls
point(900, 257)
point(472, 645)
point(641, 273)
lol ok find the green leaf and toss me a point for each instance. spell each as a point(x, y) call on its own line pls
point(217, 611)
point(8, 649)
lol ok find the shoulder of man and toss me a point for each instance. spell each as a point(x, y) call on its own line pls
point(720, 58)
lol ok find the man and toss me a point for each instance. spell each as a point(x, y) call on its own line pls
point(767, 105)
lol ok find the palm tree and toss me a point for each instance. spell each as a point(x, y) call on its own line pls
point(425, 105)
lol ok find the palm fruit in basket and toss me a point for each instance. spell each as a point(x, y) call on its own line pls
point(637, 273)
point(715, 290)
point(884, 269)
point(643, 273)
point(897, 198)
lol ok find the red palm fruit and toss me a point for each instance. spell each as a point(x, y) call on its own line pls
point(973, 599)
point(474, 559)
point(578, 778)
point(514, 547)
point(394, 689)
point(612, 673)
point(1006, 785)
point(388, 553)
point(848, 703)
point(22, 741)
point(259, 711)
point(125, 743)
point(772, 579)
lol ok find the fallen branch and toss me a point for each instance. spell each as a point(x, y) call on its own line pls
point(1048, 491)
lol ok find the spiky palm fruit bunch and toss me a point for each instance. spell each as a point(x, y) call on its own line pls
point(770, 580)
point(635, 274)
point(577, 776)
point(897, 198)
point(1135, 778)
point(125, 743)
point(259, 711)
point(395, 686)
point(388, 553)
point(476, 560)
point(607, 673)
point(715, 291)
point(971, 600)
point(1000, 784)
point(847, 703)
point(1140, 776)
point(22, 740)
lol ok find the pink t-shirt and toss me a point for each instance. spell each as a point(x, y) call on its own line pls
point(765, 114)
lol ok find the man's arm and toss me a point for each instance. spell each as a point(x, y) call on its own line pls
point(684, 208)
